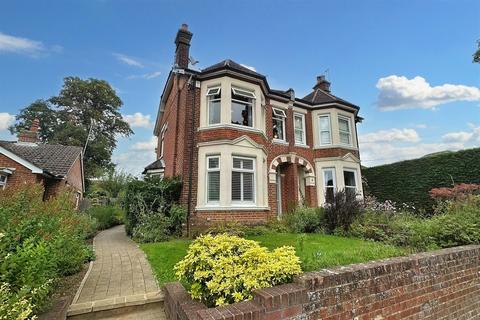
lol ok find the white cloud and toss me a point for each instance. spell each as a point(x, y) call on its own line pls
point(249, 67)
point(6, 120)
point(138, 120)
point(406, 135)
point(463, 136)
point(13, 44)
point(146, 76)
point(133, 162)
point(149, 145)
point(421, 126)
point(128, 60)
point(399, 92)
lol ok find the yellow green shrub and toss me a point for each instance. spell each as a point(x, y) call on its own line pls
point(224, 269)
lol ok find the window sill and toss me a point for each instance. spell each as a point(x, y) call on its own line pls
point(305, 146)
point(231, 208)
point(330, 146)
point(278, 141)
point(231, 126)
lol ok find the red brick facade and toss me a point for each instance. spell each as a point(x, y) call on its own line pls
point(436, 285)
point(22, 175)
point(179, 124)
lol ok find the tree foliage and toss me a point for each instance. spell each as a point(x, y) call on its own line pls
point(67, 117)
point(476, 55)
point(410, 181)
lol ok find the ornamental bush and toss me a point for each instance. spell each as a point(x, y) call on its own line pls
point(223, 269)
point(40, 241)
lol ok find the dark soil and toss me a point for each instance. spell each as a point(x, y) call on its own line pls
point(63, 295)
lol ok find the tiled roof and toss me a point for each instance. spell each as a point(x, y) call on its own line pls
point(319, 96)
point(155, 165)
point(53, 158)
point(230, 64)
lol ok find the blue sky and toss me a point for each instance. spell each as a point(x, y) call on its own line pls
point(407, 64)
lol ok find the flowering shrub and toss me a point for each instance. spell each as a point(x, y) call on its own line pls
point(224, 269)
point(458, 191)
point(14, 306)
point(39, 242)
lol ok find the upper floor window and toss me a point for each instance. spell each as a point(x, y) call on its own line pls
point(162, 140)
point(278, 124)
point(3, 181)
point(345, 130)
point(325, 129)
point(213, 179)
point(299, 127)
point(349, 177)
point(242, 107)
point(243, 180)
point(214, 96)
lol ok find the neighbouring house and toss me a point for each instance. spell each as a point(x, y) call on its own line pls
point(246, 152)
point(56, 167)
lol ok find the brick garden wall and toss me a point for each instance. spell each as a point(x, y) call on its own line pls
point(444, 284)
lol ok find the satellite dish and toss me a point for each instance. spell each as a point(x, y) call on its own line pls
point(192, 61)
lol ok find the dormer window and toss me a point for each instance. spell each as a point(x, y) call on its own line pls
point(344, 128)
point(214, 96)
point(242, 107)
point(278, 124)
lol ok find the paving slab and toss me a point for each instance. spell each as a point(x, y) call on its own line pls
point(119, 277)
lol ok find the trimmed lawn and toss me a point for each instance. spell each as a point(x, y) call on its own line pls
point(319, 251)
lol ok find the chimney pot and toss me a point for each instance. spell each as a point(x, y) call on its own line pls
point(322, 84)
point(182, 41)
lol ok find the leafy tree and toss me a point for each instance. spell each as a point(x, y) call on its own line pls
point(67, 119)
point(41, 110)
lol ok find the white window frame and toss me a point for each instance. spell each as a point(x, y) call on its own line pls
point(325, 187)
point(349, 132)
point(304, 138)
point(279, 114)
point(241, 170)
point(247, 94)
point(208, 170)
point(212, 92)
point(326, 115)
point(355, 177)
point(3, 184)
point(162, 140)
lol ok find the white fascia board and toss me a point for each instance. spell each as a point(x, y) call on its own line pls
point(22, 161)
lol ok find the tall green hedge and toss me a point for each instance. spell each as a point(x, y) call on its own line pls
point(409, 181)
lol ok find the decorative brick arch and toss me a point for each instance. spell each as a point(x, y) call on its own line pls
point(292, 158)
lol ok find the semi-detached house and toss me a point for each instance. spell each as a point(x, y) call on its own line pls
point(246, 152)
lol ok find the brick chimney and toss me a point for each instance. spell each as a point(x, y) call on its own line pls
point(182, 41)
point(30, 136)
point(322, 84)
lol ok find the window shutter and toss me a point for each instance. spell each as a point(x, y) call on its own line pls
point(236, 186)
point(214, 186)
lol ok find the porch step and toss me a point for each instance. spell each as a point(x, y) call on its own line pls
point(141, 306)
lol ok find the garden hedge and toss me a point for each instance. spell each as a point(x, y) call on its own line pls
point(409, 181)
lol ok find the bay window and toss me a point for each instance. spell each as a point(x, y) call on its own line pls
point(325, 129)
point(299, 127)
point(278, 119)
point(243, 180)
point(214, 97)
point(242, 107)
point(213, 179)
point(344, 129)
point(329, 184)
point(349, 177)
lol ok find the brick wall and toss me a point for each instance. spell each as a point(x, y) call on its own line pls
point(21, 174)
point(444, 284)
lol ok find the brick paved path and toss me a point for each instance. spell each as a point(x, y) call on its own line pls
point(120, 277)
point(120, 268)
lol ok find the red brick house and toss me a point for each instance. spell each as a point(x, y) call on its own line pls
point(247, 152)
point(28, 161)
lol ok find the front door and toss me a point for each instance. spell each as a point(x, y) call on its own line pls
point(279, 194)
